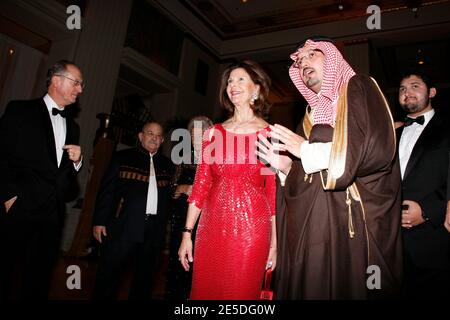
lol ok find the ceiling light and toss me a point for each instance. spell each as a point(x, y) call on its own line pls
point(420, 59)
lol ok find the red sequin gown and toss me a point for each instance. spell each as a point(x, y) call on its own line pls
point(236, 193)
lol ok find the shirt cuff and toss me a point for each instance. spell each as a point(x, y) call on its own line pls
point(282, 176)
point(78, 166)
point(315, 156)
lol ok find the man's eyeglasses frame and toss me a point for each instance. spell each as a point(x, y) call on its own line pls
point(75, 82)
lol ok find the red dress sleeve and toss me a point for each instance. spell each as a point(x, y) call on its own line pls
point(203, 177)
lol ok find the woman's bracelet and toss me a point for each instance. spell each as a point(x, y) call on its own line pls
point(186, 229)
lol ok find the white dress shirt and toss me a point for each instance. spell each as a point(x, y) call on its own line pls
point(316, 156)
point(59, 127)
point(408, 140)
point(59, 130)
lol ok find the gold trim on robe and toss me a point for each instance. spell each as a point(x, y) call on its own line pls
point(386, 105)
point(308, 123)
point(338, 154)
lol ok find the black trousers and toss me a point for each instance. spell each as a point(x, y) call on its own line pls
point(115, 256)
point(425, 283)
point(29, 244)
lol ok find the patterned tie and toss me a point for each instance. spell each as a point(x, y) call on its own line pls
point(152, 194)
point(409, 121)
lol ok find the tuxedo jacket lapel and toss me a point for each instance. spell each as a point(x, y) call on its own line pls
point(70, 139)
point(425, 138)
point(70, 134)
point(48, 128)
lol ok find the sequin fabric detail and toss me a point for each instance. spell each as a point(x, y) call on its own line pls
point(237, 198)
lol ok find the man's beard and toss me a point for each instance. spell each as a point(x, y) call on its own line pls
point(312, 82)
point(416, 106)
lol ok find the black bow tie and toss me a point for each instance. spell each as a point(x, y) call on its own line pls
point(62, 112)
point(409, 121)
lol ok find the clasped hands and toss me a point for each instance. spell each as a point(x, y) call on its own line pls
point(411, 214)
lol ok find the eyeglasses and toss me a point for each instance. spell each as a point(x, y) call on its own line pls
point(75, 82)
point(311, 53)
point(151, 135)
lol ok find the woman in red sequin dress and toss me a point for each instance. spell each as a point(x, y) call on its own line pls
point(234, 196)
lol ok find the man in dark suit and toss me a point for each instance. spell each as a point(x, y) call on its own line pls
point(39, 159)
point(424, 162)
point(130, 215)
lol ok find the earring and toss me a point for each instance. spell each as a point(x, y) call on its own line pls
point(255, 97)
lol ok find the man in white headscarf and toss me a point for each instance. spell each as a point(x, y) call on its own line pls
point(338, 215)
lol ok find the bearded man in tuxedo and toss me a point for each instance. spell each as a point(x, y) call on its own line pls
point(424, 146)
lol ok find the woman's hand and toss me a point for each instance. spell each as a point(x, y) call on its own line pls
point(185, 251)
point(272, 259)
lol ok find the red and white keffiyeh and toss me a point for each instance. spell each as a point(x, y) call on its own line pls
point(336, 72)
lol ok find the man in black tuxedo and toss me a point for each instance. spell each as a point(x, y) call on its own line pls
point(39, 159)
point(424, 162)
point(131, 214)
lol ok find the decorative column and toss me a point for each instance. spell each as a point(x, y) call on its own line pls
point(98, 53)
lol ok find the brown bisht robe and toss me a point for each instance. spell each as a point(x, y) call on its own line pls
point(332, 225)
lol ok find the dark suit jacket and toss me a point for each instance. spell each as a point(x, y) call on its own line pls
point(28, 165)
point(122, 197)
point(426, 182)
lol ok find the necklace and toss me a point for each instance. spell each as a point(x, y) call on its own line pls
point(238, 126)
point(244, 122)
